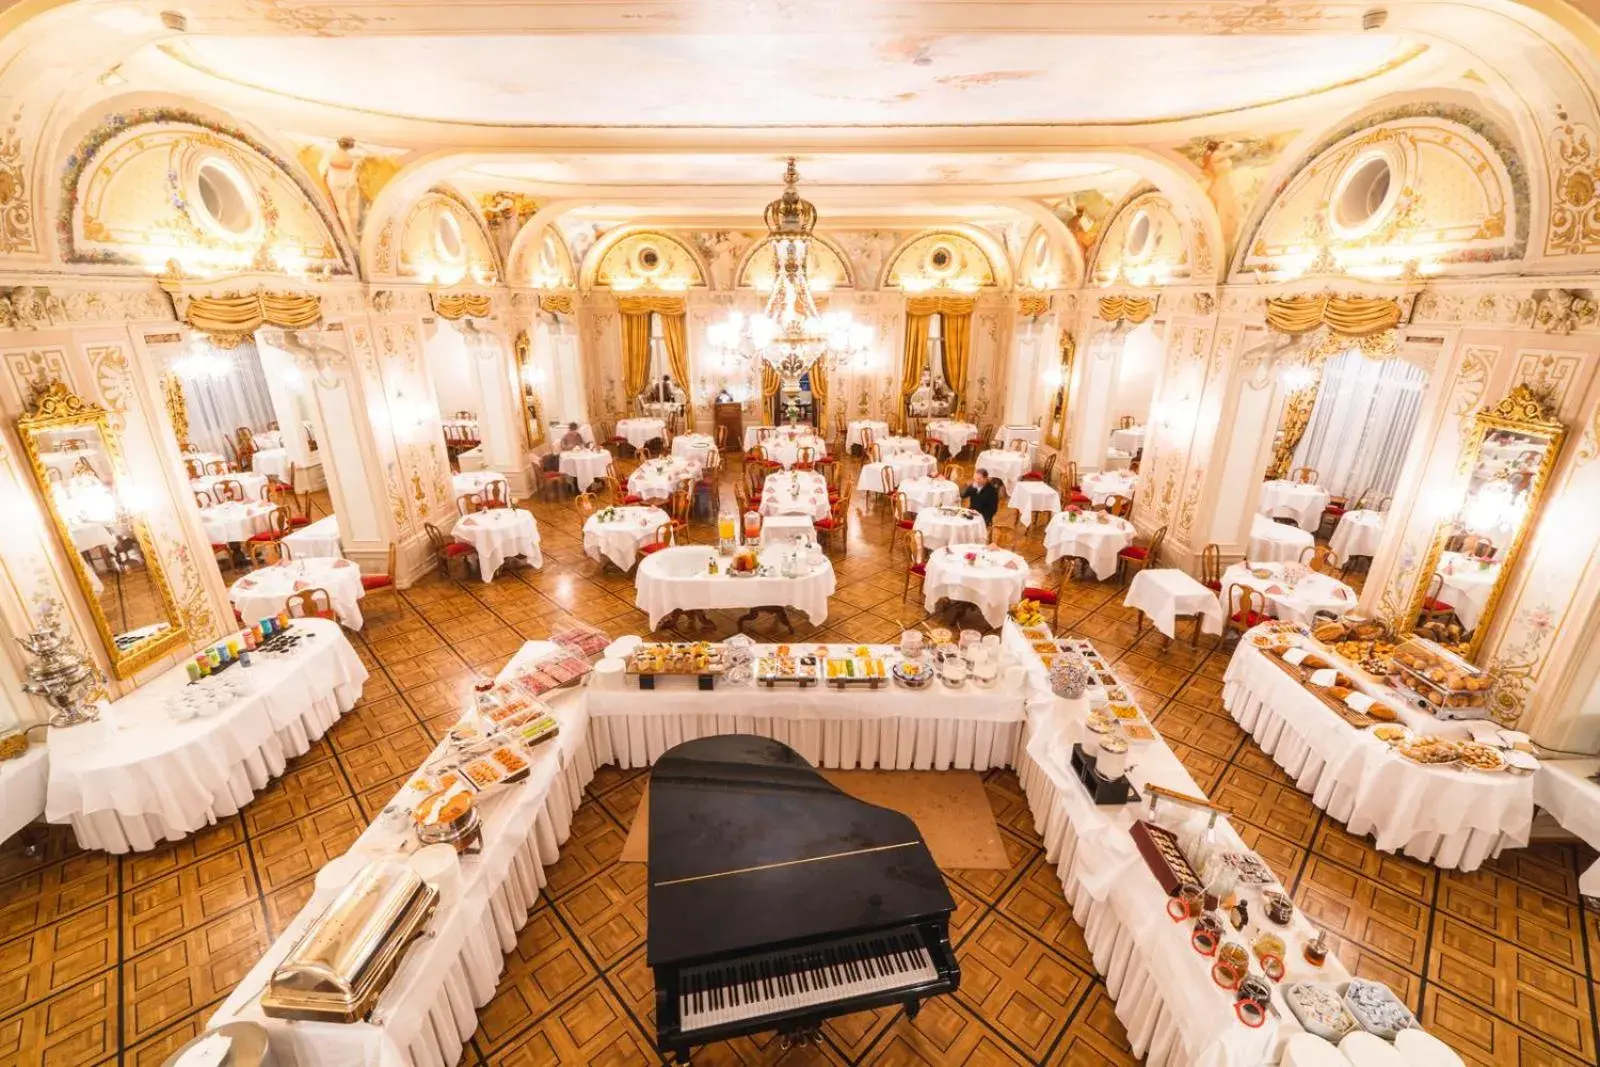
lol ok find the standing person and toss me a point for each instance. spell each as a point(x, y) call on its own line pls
point(662, 393)
point(982, 496)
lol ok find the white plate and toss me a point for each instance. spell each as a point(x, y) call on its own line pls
point(1519, 760)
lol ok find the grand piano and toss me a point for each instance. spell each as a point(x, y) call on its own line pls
point(777, 901)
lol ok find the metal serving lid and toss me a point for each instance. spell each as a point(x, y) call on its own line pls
point(340, 965)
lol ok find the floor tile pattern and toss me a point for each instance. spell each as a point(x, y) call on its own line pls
point(107, 960)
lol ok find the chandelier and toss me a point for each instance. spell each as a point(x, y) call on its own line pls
point(790, 335)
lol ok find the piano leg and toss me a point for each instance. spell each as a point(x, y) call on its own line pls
point(912, 1007)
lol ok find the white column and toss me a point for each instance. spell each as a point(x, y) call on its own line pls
point(1090, 417)
point(286, 384)
point(499, 411)
point(1025, 380)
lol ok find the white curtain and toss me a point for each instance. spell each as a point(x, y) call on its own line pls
point(219, 406)
point(1361, 424)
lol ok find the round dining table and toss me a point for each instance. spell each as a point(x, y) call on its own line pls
point(617, 533)
point(1313, 594)
point(696, 446)
point(265, 590)
point(1032, 498)
point(640, 432)
point(795, 493)
point(927, 492)
point(952, 434)
point(1357, 534)
point(1276, 542)
point(680, 580)
point(1090, 535)
point(253, 486)
point(1101, 486)
point(471, 483)
point(856, 433)
point(584, 465)
point(1003, 466)
point(658, 479)
point(500, 534)
point(1303, 502)
point(788, 451)
point(990, 579)
point(951, 526)
point(226, 523)
point(905, 467)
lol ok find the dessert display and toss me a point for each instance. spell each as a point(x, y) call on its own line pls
point(676, 657)
point(1429, 751)
point(783, 666)
point(856, 666)
point(1479, 757)
point(1441, 681)
point(1320, 1009)
point(1389, 732)
point(1376, 1009)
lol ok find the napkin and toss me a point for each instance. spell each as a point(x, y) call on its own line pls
point(1325, 677)
point(1359, 702)
point(1274, 589)
point(1295, 656)
point(301, 583)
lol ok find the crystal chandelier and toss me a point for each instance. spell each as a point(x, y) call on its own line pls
point(790, 335)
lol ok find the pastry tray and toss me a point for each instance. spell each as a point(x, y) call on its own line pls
point(803, 676)
point(1159, 847)
point(1338, 707)
point(860, 678)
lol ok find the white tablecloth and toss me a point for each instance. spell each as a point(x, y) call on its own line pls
point(1275, 542)
point(320, 538)
point(1357, 534)
point(906, 468)
point(1007, 467)
point(783, 529)
point(927, 493)
point(429, 1011)
point(268, 439)
point(262, 592)
point(755, 435)
point(1440, 815)
point(788, 451)
point(471, 459)
point(1466, 586)
point(1117, 460)
point(235, 522)
point(992, 583)
point(953, 435)
point(137, 778)
point(619, 537)
point(696, 446)
point(1006, 434)
point(23, 784)
point(471, 483)
point(1103, 485)
point(87, 535)
point(640, 432)
point(1097, 542)
point(1562, 788)
point(1030, 498)
point(254, 486)
point(679, 579)
point(1129, 440)
point(658, 479)
point(585, 466)
point(898, 446)
point(498, 535)
point(272, 462)
point(1315, 592)
point(854, 437)
point(795, 493)
point(940, 528)
point(1303, 503)
point(1164, 593)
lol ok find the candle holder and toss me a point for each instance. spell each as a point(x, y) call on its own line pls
point(61, 673)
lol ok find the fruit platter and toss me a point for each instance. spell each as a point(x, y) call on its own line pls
point(912, 675)
point(857, 666)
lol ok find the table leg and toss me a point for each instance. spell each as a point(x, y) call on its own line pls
point(781, 614)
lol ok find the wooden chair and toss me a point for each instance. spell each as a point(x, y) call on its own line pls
point(619, 496)
point(836, 527)
point(378, 583)
point(310, 604)
point(916, 564)
point(890, 480)
point(277, 526)
point(467, 503)
point(1118, 505)
point(952, 473)
point(1043, 472)
point(449, 552)
point(1211, 567)
point(229, 489)
point(551, 482)
point(666, 537)
point(585, 502)
point(1432, 607)
point(903, 523)
point(203, 499)
point(1304, 476)
point(1383, 504)
point(1321, 559)
point(1003, 530)
point(264, 553)
point(1125, 422)
point(933, 447)
point(678, 507)
point(218, 466)
point(1240, 611)
point(280, 494)
point(1071, 491)
point(1052, 598)
point(193, 468)
point(496, 494)
point(985, 439)
point(1140, 557)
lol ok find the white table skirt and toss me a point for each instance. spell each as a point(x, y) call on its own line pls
point(1314, 593)
point(585, 466)
point(1103, 485)
point(619, 539)
point(1467, 588)
point(318, 540)
point(906, 468)
point(1006, 467)
point(23, 785)
point(471, 460)
point(1030, 498)
point(1117, 460)
point(754, 435)
point(1303, 503)
point(679, 579)
point(658, 479)
point(795, 493)
point(1275, 542)
point(263, 592)
point(640, 432)
point(953, 435)
point(1357, 534)
point(1444, 816)
point(498, 535)
point(233, 522)
point(1095, 541)
point(992, 588)
point(1129, 440)
point(928, 493)
point(1563, 788)
point(854, 436)
point(939, 529)
point(429, 1011)
point(272, 462)
point(137, 778)
point(1164, 593)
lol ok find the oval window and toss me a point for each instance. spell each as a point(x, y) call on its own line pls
point(1141, 235)
point(447, 237)
point(226, 202)
point(1363, 195)
point(649, 259)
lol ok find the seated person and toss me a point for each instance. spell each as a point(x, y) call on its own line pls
point(572, 438)
point(663, 392)
point(982, 496)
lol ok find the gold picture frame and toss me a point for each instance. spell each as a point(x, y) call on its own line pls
point(1520, 417)
point(1055, 416)
point(528, 399)
point(101, 470)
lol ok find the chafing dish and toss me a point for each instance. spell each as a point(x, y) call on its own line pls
point(339, 967)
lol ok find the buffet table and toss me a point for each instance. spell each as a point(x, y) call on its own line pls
point(1357, 534)
point(1441, 815)
point(990, 579)
point(1094, 536)
point(1276, 542)
point(934, 728)
point(429, 1011)
point(616, 533)
point(138, 776)
point(1312, 594)
point(680, 579)
point(266, 590)
point(1567, 790)
point(497, 535)
point(23, 785)
point(1297, 500)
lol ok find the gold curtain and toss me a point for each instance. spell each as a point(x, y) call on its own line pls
point(1134, 309)
point(1349, 316)
point(675, 333)
point(819, 392)
point(957, 336)
point(635, 353)
point(916, 354)
point(661, 305)
point(455, 306)
point(636, 312)
point(230, 319)
point(1292, 427)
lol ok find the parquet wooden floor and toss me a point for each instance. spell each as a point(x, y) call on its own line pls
point(106, 960)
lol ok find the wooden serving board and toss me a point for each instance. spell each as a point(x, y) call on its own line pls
point(1338, 707)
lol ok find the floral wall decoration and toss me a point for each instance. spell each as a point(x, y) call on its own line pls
point(1233, 169)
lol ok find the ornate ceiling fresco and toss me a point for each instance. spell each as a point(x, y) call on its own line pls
point(817, 169)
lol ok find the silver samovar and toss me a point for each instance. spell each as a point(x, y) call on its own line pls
point(61, 673)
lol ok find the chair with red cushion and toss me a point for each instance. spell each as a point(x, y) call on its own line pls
point(836, 525)
point(1137, 558)
point(448, 552)
point(916, 564)
point(277, 526)
point(310, 603)
point(1243, 608)
point(1211, 567)
point(619, 497)
point(377, 583)
point(903, 523)
point(666, 537)
point(1432, 607)
point(1054, 598)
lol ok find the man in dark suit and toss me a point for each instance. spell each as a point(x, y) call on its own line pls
point(663, 393)
point(982, 496)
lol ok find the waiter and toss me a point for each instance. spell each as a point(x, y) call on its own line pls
point(982, 496)
point(663, 392)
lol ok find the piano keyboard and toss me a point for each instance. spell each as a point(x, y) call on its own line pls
point(777, 982)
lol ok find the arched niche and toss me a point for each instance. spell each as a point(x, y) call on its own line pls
point(1042, 263)
point(942, 259)
point(174, 186)
point(544, 262)
point(1144, 243)
point(1422, 192)
point(826, 266)
point(645, 259)
point(443, 240)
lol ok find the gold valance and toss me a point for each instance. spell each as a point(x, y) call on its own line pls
point(455, 306)
point(1032, 305)
point(1352, 316)
point(1134, 309)
point(556, 303)
point(230, 319)
point(940, 305)
point(644, 305)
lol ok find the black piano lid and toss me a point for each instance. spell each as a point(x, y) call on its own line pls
point(751, 850)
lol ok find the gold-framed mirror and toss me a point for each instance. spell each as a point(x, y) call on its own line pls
point(527, 395)
point(77, 460)
point(1507, 459)
point(1055, 420)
